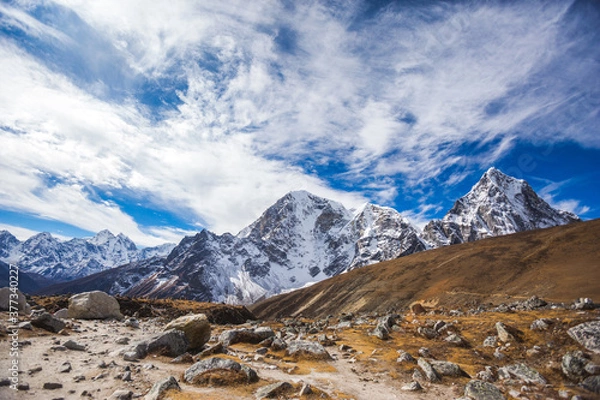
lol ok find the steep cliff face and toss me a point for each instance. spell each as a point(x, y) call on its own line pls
point(497, 205)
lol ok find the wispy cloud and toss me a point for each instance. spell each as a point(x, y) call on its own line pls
point(262, 95)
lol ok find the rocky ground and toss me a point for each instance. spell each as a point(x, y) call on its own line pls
point(525, 350)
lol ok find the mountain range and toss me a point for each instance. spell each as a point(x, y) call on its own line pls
point(44, 256)
point(303, 239)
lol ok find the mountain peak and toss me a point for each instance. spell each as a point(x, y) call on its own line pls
point(102, 237)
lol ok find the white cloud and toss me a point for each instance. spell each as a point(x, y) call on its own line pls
point(398, 94)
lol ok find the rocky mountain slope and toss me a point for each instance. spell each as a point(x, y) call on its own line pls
point(497, 205)
point(303, 239)
point(67, 260)
point(557, 263)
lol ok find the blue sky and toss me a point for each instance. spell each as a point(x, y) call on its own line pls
point(158, 119)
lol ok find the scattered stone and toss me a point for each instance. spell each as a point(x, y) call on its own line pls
point(523, 373)
point(428, 333)
point(121, 394)
point(424, 352)
point(305, 390)
point(447, 368)
point(162, 386)
point(132, 323)
point(587, 334)
point(4, 382)
point(171, 343)
point(479, 390)
point(573, 365)
point(414, 386)
point(262, 350)
point(34, 370)
point(490, 341)
point(540, 324)
point(212, 350)
point(185, 358)
point(196, 328)
point(344, 325)
point(52, 385)
point(405, 357)
point(25, 325)
point(417, 308)
point(79, 378)
point(273, 390)
point(5, 298)
point(219, 371)
point(486, 375)
point(122, 340)
point(58, 348)
point(381, 332)
point(592, 369)
point(278, 344)
point(127, 376)
point(592, 383)
point(94, 305)
point(63, 313)
point(583, 303)
point(131, 356)
point(503, 334)
point(65, 368)
point(417, 375)
point(48, 322)
point(456, 340)
point(430, 373)
point(72, 345)
point(308, 350)
point(23, 386)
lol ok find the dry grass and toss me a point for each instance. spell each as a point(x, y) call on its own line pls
point(559, 264)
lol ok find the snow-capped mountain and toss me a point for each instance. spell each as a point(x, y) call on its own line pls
point(303, 238)
point(66, 260)
point(497, 205)
point(299, 240)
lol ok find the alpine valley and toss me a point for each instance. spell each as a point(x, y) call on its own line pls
point(303, 239)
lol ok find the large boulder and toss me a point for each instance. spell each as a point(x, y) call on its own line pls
point(587, 334)
point(307, 350)
point(21, 301)
point(94, 305)
point(479, 390)
point(48, 322)
point(171, 343)
point(219, 372)
point(196, 328)
point(245, 335)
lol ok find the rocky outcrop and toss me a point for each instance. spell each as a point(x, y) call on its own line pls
point(196, 328)
point(93, 305)
point(18, 302)
point(219, 372)
point(588, 335)
point(304, 349)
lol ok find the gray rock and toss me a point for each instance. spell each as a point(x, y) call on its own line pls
point(200, 373)
point(196, 328)
point(430, 373)
point(573, 365)
point(245, 335)
point(447, 368)
point(4, 382)
point(592, 383)
point(344, 325)
point(388, 321)
point(381, 332)
point(94, 305)
point(307, 349)
point(52, 385)
point(262, 350)
point(414, 386)
point(171, 343)
point(592, 369)
point(48, 322)
point(424, 352)
point(79, 378)
point(5, 304)
point(72, 345)
point(131, 356)
point(273, 390)
point(503, 334)
point(305, 390)
point(263, 332)
point(127, 376)
point(122, 340)
point(162, 386)
point(63, 313)
point(583, 303)
point(490, 341)
point(540, 324)
point(523, 373)
point(479, 390)
point(65, 367)
point(278, 344)
point(456, 340)
point(428, 333)
point(212, 350)
point(25, 325)
point(486, 375)
point(23, 386)
point(121, 394)
point(185, 358)
point(132, 323)
point(587, 334)
point(405, 357)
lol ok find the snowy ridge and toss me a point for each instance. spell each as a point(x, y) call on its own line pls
point(497, 205)
point(76, 258)
point(303, 239)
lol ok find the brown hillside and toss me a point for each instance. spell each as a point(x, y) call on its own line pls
point(558, 264)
